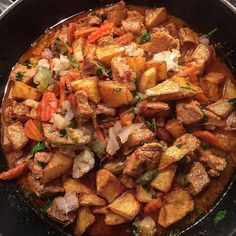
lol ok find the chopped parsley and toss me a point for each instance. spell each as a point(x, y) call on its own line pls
point(103, 71)
point(146, 177)
point(212, 32)
point(63, 132)
point(220, 215)
point(73, 61)
point(179, 145)
point(137, 98)
point(173, 232)
point(233, 102)
point(183, 180)
point(19, 76)
point(154, 125)
point(42, 164)
point(73, 124)
point(134, 230)
point(28, 64)
point(45, 208)
point(146, 37)
point(60, 46)
point(118, 89)
point(39, 146)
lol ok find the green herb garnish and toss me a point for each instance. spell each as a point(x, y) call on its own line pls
point(212, 32)
point(73, 61)
point(28, 64)
point(42, 164)
point(118, 89)
point(73, 124)
point(63, 132)
point(19, 76)
point(146, 37)
point(220, 215)
point(39, 146)
point(45, 208)
point(103, 71)
point(146, 177)
point(233, 102)
point(134, 230)
point(60, 46)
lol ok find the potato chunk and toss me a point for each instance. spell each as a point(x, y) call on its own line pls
point(57, 166)
point(229, 90)
point(112, 218)
point(155, 16)
point(221, 108)
point(173, 89)
point(84, 220)
point(106, 53)
point(164, 178)
point(24, 91)
point(91, 199)
point(114, 94)
point(137, 64)
point(160, 66)
point(148, 80)
point(178, 204)
point(108, 186)
point(75, 185)
point(90, 86)
point(143, 195)
point(175, 128)
point(126, 205)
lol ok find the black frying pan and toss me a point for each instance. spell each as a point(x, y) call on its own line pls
point(23, 22)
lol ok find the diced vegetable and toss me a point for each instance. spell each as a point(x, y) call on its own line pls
point(126, 206)
point(91, 199)
point(153, 206)
point(136, 64)
point(43, 78)
point(144, 193)
point(75, 185)
point(112, 218)
point(24, 91)
point(84, 220)
point(148, 80)
point(161, 69)
point(146, 177)
point(32, 130)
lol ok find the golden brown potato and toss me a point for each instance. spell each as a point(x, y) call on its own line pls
point(91, 199)
point(155, 16)
point(108, 186)
point(74, 185)
point(126, 205)
point(24, 91)
point(6, 144)
point(106, 53)
point(57, 166)
point(137, 64)
point(112, 218)
point(175, 128)
point(229, 90)
point(143, 195)
point(178, 204)
point(90, 86)
point(114, 94)
point(148, 80)
point(164, 178)
point(84, 220)
point(160, 67)
point(221, 108)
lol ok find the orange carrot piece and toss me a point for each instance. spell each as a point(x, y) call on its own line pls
point(126, 117)
point(14, 172)
point(32, 130)
point(153, 206)
point(202, 97)
point(208, 137)
point(70, 33)
point(62, 90)
point(83, 32)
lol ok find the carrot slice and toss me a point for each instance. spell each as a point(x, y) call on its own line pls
point(14, 172)
point(32, 130)
point(202, 97)
point(70, 33)
point(85, 31)
point(47, 106)
point(153, 206)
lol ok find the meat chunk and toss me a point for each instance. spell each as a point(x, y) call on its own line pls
point(161, 41)
point(178, 204)
point(215, 163)
point(189, 113)
point(134, 23)
point(202, 52)
point(148, 109)
point(89, 67)
point(175, 128)
point(16, 135)
point(84, 110)
point(188, 37)
point(6, 144)
point(183, 145)
point(198, 178)
point(154, 17)
point(144, 158)
point(221, 108)
point(103, 109)
point(20, 111)
point(138, 138)
point(116, 13)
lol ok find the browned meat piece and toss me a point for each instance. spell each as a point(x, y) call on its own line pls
point(188, 37)
point(127, 181)
point(84, 110)
point(7, 115)
point(198, 178)
point(16, 135)
point(116, 13)
point(161, 41)
point(171, 27)
point(148, 109)
point(49, 189)
point(186, 144)
point(134, 23)
point(231, 121)
point(56, 214)
point(144, 158)
point(89, 67)
point(138, 138)
point(221, 108)
point(103, 109)
point(104, 41)
point(189, 113)
point(175, 128)
point(6, 144)
point(20, 111)
point(178, 204)
point(217, 164)
point(163, 134)
point(154, 17)
point(124, 39)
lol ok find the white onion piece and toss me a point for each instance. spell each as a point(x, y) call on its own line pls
point(67, 203)
point(59, 121)
point(44, 63)
point(83, 163)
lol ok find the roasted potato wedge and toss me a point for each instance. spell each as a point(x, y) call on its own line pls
point(114, 94)
point(175, 128)
point(112, 218)
point(75, 185)
point(57, 166)
point(155, 16)
point(108, 186)
point(126, 206)
point(84, 220)
point(143, 195)
point(161, 68)
point(148, 80)
point(137, 64)
point(24, 91)
point(91, 199)
point(229, 90)
point(90, 86)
